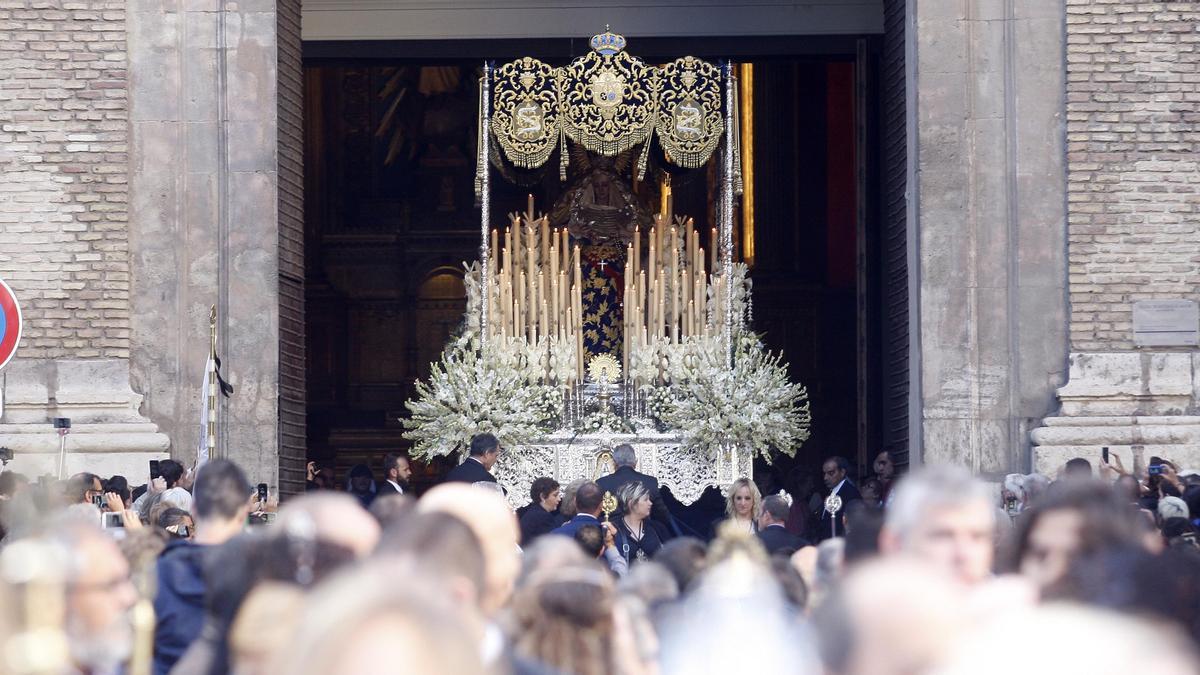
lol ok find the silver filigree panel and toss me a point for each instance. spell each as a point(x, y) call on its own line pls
point(566, 457)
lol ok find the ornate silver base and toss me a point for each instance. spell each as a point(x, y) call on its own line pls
point(565, 457)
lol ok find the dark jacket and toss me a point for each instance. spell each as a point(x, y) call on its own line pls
point(848, 493)
point(384, 488)
point(569, 528)
point(470, 471)
point(537, 521)
point(627, 474)
point(179, 603)
point(776, 538)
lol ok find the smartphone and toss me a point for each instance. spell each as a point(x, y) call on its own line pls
point(1156, 469)
point(62, 422)
point(1104, 454)
point(113, 520)
point(1010, 505)
point(154, 470)
point(262, 492)
point(98, 501)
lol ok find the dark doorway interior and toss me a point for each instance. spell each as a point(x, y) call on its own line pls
point(390, 216)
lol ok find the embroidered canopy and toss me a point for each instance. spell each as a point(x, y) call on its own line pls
point(608, 102)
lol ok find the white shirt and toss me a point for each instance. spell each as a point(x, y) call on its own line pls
point(396, 485)
point(835, 491)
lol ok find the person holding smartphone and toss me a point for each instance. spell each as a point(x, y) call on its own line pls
point(85, 488)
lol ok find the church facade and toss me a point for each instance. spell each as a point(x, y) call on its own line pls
point(1038, 163)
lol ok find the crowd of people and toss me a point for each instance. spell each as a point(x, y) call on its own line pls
point(1096, 570)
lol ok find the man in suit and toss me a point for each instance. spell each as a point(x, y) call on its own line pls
point(396, 472)
point(625, 459)
point(772, 527)
point(834, 471)
point(588, 499)
point(477, 467)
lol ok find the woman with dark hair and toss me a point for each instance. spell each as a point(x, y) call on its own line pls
point(1074, 521)
point(176, 522)
point(541, 515)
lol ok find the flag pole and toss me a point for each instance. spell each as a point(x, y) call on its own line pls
point(211, 374)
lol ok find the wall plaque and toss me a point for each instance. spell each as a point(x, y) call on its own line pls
point(1166, 323)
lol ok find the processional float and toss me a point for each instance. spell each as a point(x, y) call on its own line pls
point(596, 324)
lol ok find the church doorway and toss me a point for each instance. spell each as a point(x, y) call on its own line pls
point(390, 215)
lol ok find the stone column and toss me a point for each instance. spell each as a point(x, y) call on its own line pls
point(203, 219)
point(988, 224)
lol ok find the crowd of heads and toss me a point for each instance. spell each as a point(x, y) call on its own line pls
point(930, 572)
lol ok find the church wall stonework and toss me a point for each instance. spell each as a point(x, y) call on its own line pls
point(1133, 153)
point(64, 237)
point(987, 227)
point(1133, 106)
point(63, 201)
point(204, 223)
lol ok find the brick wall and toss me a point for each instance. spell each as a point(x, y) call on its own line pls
point(1133, 143)
point(63, 174)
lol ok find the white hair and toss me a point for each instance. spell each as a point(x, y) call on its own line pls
point(1172, 507)
point(624, 455)
point(1015, 483)
point(932, 487)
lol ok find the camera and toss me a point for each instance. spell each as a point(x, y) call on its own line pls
point(6, 455)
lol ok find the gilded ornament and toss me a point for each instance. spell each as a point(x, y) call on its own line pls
point(607, 103)
point(604, 368)
point(525, 118)
point(688, 121)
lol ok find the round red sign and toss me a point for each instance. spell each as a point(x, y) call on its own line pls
point(10, 324)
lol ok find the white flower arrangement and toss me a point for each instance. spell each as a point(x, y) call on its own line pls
point(475, 389)
point(712, 406)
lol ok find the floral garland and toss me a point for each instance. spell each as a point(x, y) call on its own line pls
point(474, 389)
point(603, 421)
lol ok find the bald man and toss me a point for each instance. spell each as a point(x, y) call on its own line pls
point(494, 524)
point(336, 518)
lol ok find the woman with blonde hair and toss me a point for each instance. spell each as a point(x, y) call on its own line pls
point(636, 540)
point(743, 504)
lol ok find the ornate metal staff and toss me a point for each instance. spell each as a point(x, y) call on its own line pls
point(210, 439)
point(833, 504)
point(485, 194)
point(727, 212)
point(608, 505)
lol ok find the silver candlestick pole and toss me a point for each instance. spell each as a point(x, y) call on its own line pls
point(727, 212)
point(485, 198)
